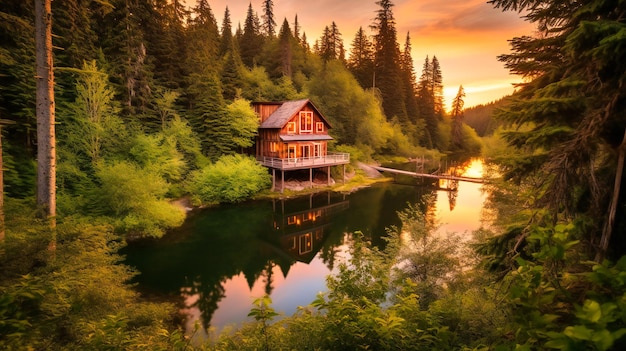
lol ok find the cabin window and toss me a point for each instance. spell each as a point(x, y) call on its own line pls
point(306, 243)
point(292, 220)
point(273, 146)
point(319, 127)
point(306, 122)
point(317, 150)
point(291, 127)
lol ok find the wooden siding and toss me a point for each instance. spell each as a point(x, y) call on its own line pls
point(265, 110)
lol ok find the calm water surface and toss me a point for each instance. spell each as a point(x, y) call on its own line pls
point(225, 257)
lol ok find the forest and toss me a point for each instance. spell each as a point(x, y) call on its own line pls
point(152, 103)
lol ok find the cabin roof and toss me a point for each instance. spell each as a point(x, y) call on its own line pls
point(286, 112)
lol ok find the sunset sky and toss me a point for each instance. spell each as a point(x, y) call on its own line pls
point(465, 35)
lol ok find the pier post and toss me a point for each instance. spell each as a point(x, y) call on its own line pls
point(273, 179)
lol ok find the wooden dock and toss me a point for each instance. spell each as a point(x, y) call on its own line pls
point(429, 175)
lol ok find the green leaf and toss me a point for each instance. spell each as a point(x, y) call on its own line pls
point(591, 311)
point(578, 332)
point(603, 339)
point(559, 344)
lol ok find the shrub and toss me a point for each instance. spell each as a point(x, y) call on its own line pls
point(232, 178)
point(136, 196)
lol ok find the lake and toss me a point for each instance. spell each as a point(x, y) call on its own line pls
point(223, 258)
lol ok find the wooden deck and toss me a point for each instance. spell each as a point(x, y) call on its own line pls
point(288, 164)
point(429, 175)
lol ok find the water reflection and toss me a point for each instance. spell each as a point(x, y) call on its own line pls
point(224, 257)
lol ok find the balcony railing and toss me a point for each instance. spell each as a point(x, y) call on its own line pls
point(332, 159)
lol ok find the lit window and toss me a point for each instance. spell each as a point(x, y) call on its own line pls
point(306, 122)
point(291, 127)
point(273, 146)
point(291, 220)
point(319, 127)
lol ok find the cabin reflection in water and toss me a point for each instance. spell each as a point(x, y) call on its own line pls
point(300, 234)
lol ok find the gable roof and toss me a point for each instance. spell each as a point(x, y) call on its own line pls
point(287, 111)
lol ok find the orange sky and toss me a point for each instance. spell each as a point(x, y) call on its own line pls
point(465, 35)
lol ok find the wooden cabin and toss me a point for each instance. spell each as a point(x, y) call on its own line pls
point(294, 135)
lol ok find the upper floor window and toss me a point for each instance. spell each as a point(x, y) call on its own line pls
point(306, 122)
point(319, 127)
point(291, 127)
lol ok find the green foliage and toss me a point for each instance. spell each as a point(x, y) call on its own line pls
point(244, 122)
point(429, 259)
point(232, 178)
point(355, 114)
point(76, 296)
point(561, 305)
point(158, 155)
point(134, 195)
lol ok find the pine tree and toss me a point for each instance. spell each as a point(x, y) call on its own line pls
point(204, 99)
point(573, 102)
point(426, 105)
point(269, 23)
point(410, 84)
point(226, 40)
point(331, 44)
point(296, 29)
point(436, 87)
point(387, 63)
point(251, 43)
point(17, 69)
point(457, 118)
point(122, 34)
point(231, 75)
point(286, 50)
point(361, 59)
point(166, 40)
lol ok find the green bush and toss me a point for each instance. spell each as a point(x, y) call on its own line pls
point(135, 196)
point(232, 178)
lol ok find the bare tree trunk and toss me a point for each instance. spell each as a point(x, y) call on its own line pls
point(46, 153)
point(1, 193)
point(608, 226)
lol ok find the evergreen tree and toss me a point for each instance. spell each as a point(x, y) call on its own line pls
point(325, 48)
point(286, 50)
point(166, 40)
point(457, 118)
point(226, 40)
point(410, 84)
point(296, 29)
point(573, 105)
point(436, 87)
point(387, 63)
point(331, 44)
point(204, 99)
point(426, 104)
point(17, 69)
point(305, 43)
point(122, 36)
point(361, 59)
point(269, 23)
point(251, 43)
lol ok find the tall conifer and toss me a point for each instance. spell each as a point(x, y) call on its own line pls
point(269, 23)
point(457, 118)
point(573, 101)
point(387, 62)
point(361, 59)
point(251, 42)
